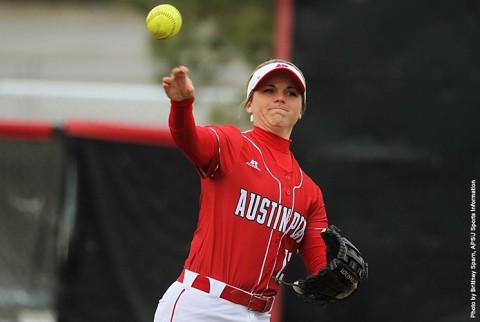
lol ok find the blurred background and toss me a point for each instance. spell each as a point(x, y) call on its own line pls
point(92, 225)
point(95, 59)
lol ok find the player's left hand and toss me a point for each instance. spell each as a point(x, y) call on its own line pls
point(340, 278)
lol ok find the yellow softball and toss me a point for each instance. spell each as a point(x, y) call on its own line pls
point(164, 21)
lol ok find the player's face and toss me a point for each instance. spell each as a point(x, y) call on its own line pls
point(276, 104)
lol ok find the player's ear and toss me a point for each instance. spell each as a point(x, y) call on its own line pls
point(248, 107)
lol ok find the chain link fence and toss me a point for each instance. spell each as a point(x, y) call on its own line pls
point(31, 189)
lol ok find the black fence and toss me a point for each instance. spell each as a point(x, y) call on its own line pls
point(94, 228)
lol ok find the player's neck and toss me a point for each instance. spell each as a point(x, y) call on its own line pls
point(271, 139)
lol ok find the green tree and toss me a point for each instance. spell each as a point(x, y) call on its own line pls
point(214, 33)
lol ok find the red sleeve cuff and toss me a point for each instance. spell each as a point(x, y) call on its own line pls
point(182, 104)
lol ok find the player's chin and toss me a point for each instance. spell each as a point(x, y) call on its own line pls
point(284, 123)
point(280, 118)
point(277, 124)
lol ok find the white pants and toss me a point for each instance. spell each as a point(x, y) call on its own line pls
point(186, 304)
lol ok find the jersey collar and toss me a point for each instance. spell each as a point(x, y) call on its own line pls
point(272, 140)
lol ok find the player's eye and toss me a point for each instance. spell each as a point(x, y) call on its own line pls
point(292, 93)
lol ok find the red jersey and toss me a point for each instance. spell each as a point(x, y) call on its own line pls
point(257, 207)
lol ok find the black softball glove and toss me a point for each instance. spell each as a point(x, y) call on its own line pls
point(340, 278)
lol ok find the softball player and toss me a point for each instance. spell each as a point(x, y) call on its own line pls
point(257, 207)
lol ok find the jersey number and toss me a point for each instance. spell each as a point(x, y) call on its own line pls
point(286, 260)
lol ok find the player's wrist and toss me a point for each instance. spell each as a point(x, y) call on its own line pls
point(181, 104)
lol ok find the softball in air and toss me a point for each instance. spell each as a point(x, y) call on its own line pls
point(164, 21)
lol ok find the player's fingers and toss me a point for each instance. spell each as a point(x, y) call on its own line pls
point(183, 69)
point(178, 86)
point(180, 72)
point(166, 81)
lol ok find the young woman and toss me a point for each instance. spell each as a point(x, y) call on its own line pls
point(257, 207)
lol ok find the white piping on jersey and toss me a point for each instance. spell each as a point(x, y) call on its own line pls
point(279, 201)
point(280, 275)
point(200, 171)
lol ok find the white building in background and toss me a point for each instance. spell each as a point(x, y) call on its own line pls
point(88, 62)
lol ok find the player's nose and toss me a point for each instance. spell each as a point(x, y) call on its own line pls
point(280, 97)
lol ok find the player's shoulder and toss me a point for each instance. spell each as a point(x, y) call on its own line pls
point(309, 183)
point(226, 129)
point(227, 134)
point(307, 179)
point(315, 194)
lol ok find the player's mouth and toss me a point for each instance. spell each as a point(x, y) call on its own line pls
point(277, 109)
